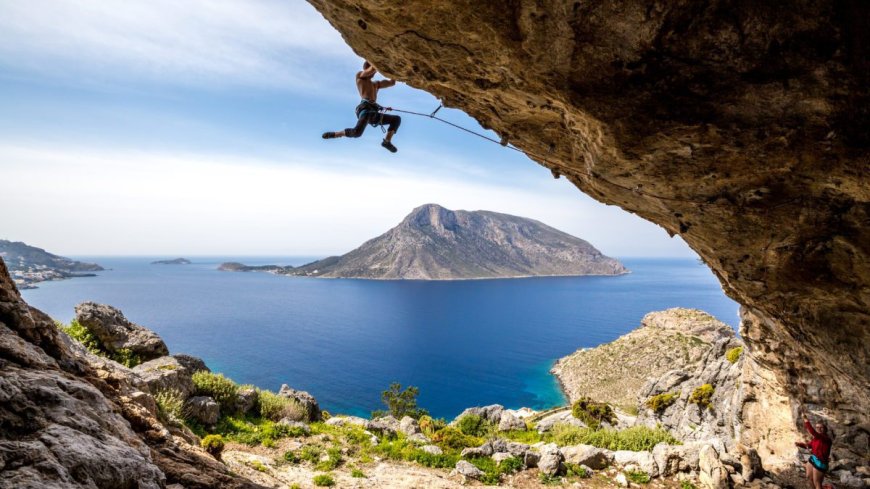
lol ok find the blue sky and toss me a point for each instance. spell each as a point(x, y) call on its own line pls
point(193, 127)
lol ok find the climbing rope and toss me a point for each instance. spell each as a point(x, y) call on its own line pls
point(504, 143)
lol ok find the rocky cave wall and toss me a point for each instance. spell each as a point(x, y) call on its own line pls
point(740, 126)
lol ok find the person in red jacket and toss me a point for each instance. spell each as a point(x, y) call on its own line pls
point(820, 446)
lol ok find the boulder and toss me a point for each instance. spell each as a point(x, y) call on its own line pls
point(465, 469)
point(594, 457)
point(203, 409)
point(246, 399)
point(432, 449)
point(191, 363)
point(484, 450)
point(386, 425)
point(847, 479)
point(166, 374)
point(115, 332)
point(419, 439)
point(639, 460)
point(509, 422)
point(344, 420)
point(306, 400)
point(409, 426)
point(551, 459)
point(711, 472)
point(296, 424)
point(516, 449)
point(491, 413)
point(501, 456)
point(547, 423)
point(530, 459)
point(621, 480)
point(672, 459)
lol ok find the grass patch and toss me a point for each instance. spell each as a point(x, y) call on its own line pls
point(257, 465)
point(575, 470)
point(170, 404)
point(218, 387)
point(637, 476)
point(402, 449)
point(357, 473)
point(323, 480)
point(274, 407)
point(636, 438)
point(452, 439)
point(687, 485)
point(332, 462)
point(660, 402)
point(702, 396)
point(492, 472)
point(529, 437)
point(733, 354)
point(83, 335)
point(550, 480)
point(311, 453)
point(593, 413)
point(251, 430)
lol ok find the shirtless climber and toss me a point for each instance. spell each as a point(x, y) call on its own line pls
point(368, 111)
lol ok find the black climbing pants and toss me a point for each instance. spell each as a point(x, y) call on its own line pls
point(375, 119)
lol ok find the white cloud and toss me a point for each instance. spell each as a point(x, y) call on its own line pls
point(270, 43)
point(77, 201)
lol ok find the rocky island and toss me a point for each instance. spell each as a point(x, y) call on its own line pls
point(434, 243)
point(30, 265)
point(177, 261)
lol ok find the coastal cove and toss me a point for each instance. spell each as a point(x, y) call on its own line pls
point(463, 343)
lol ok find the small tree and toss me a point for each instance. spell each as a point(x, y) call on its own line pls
point(401, 403)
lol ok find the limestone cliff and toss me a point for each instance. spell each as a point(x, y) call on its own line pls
point(69, 419)
point(616, 371)
point(740, 126)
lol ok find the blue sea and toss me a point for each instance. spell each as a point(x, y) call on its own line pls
point(463, 343)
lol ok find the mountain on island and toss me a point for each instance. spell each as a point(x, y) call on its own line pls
point(434, 243)
point(29, 265)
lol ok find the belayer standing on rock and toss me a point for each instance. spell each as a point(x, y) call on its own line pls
point(820, 446)
point(368, 111)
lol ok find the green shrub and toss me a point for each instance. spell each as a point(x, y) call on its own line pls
point(636, 438)
point(170, 404)
point(218, 387)
point(83, 335)
point(734, 354)
point(637, 476)
point(213, 444)
point(400, 403)
point(357, 473)
point(310, 453)
point(430, 425)
point(575, 470)
point(702, 396)
point(474, 425)
point(687, 485)
point(593, 413)
point(274, 407)
point(251, 430)
point(491, 473)
point(324, 480)
point(401, 449)
point(451, 438)
point(257, 465)
point(290, 457)
point(333, 460)
point(549, 480)
point(660, 402)
point(511, 465)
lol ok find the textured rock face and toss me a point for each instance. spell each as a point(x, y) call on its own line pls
point(741, 126)
point(677, 338)
point(72, 420)
point(116, 332)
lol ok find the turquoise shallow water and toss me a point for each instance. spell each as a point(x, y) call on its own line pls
point(463, 343)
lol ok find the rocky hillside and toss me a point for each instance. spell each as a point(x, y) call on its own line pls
point(616, 371)
point(29, 264)
point(434, 243)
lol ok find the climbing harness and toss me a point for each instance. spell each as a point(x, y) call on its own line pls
point(550, 150)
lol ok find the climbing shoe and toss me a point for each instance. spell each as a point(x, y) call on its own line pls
point(389, 146)
point(328, 135)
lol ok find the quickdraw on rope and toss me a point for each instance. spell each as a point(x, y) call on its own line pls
point(551, 149)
